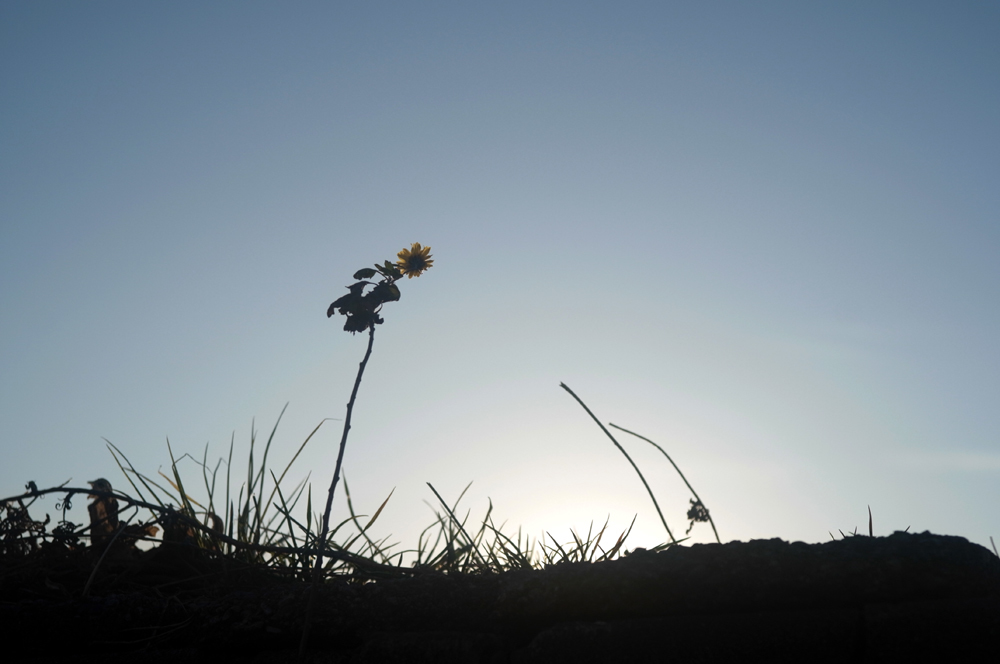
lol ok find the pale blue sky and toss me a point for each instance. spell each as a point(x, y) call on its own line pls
point(764, 235)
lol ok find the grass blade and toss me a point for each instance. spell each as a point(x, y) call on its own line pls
point(459, 524)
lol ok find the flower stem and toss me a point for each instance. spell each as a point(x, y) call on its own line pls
point(322, 543)
point(340, 454)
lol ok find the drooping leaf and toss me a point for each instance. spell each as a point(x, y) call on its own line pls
point(356, 324)
point(382, 293)
point(350, 302)
point(364, 273)
point(341, 303)
point(391, 270)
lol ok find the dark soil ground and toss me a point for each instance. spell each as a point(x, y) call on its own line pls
point(906, 597)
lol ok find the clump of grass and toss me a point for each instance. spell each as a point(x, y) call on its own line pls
point(274, 527)
point(871, 530)
point(257, 527)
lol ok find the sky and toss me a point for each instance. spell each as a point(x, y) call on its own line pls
point(763, 235)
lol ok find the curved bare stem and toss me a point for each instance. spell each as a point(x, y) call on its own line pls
point(621, 449)
point(693, 492)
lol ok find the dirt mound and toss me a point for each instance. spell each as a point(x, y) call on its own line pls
point(903, 597)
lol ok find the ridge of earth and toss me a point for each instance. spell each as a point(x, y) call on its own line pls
point(906, 597)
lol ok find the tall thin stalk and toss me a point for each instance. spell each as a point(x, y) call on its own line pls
point(361, 307)
point(325, 529)
point(673, 540)
point(693, 492)
point(340, 456)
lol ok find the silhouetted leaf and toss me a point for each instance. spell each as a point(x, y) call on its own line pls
point(341, 302)
point(355, 324)
point(362, 321)
point(382, 293)
point(364, 273)
point(350, 301)
point(390, 270)
point(698, 511)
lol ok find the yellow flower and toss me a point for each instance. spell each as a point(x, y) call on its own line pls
point(413, 261)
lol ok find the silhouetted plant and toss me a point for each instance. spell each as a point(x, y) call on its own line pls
point(362, 309)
